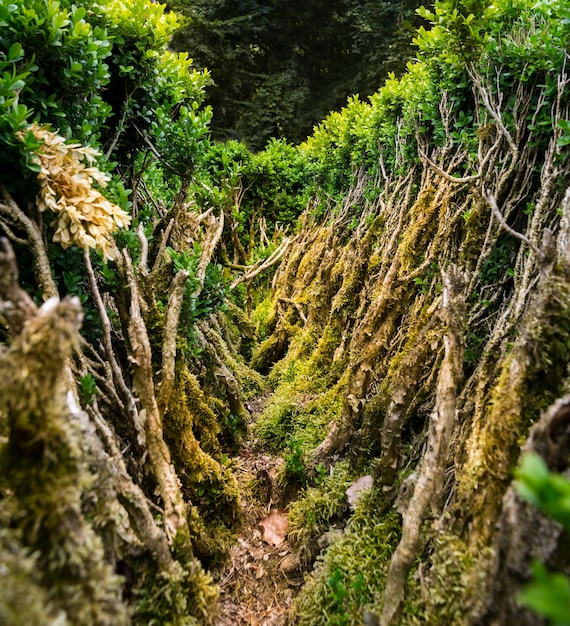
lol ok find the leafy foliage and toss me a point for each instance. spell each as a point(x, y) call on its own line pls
point(548, 594)
point(100, 74)
point(211, 298)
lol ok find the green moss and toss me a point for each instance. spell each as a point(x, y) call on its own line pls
point(264, 317)
point(275, 424)
point(44, 466)
point(320, 362)
point(444, 587)
point(211, 539)
point(300, 349)
point(317, 510)
point(250, 382)
point(23, 601)
point(238, 330)
point(265, 354)
point(176, 598)
point(353, 570)
point(531, 376)
point(298, 413)
point(476, 219)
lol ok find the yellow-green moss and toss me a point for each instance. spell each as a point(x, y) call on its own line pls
point(530, 377)
point(203, 478)
point(476, 219)
point(176, 598)
point(264, 317)
point(211, 539)
point(44, 468)
point(23, 600)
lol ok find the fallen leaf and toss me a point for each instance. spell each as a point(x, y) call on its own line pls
point(260, 572)
point(275, 526)
point(358, 488)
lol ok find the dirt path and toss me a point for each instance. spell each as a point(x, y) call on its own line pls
point(259, 582)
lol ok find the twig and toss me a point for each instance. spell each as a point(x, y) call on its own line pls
point(161, 249)
point(297, 306)
point(211, 240)
point(491, 200)
point(144, 248)
point(254, 271)
point(443, 174)
point(132, 497)
point(204, 215)
point(120, 128)
point(108, 345)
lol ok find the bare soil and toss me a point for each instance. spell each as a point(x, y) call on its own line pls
point(260, 580)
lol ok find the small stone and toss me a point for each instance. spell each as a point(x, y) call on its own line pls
point(358, 488)
point(290, 565)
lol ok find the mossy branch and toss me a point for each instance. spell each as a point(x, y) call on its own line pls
point(251, 272)
point(45, 466)
point(144, 388)
point(210, 241)
point(171, 319)
point(428, 486)
point(159, 258)
point(132, 497)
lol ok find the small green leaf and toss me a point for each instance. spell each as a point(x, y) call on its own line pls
point(79, 14)
point(16, 52)
point(548, 595)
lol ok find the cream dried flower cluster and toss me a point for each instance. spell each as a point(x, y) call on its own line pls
point(85, 218)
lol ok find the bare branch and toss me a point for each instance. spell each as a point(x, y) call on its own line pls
point(109, 352)
point(443, 174)
point(211, 240)
point(204, 215)
point(494, 110)
point(10, 209)
point(161, 249)
point(120, 128)
point(132, 497)
point(144, 248)
point(144, 388)
point(11, 234)
point(492, 201)
point(255, 270)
